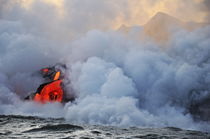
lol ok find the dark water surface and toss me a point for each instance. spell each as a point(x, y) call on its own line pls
point(12, 126)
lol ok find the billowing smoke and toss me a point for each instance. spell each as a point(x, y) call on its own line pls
point(117, 80)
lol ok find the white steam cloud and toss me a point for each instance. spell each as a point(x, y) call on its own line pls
point(117, 80)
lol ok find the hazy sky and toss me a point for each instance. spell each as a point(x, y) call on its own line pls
point(117, 12)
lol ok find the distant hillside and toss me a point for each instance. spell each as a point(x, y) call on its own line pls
point(160, 27)
point(125, 29)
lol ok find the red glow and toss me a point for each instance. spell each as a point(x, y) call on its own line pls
point(51, 92)
point(45, 70)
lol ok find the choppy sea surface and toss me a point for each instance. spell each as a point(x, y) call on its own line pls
point(16, 126)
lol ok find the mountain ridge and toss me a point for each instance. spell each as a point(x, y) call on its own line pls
point(162, 25)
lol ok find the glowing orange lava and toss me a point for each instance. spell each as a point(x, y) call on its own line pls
point(57, 75)
point(50, 92)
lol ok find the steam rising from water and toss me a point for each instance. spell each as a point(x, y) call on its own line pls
point(118, 80)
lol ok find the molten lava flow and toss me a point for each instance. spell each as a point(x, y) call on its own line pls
point(52, 89)
point(51, 92)
point(57, 75)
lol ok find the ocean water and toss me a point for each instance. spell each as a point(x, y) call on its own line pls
point(16, 126)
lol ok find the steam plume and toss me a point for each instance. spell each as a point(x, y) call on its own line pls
point(117, 80)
